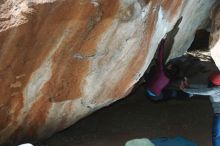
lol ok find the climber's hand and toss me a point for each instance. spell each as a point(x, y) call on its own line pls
point(184, 83)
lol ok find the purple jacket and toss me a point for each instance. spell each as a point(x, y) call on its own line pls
point(159, 80)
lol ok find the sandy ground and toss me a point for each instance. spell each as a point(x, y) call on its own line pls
point(137, 117)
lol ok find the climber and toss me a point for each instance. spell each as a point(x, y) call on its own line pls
point(159, 80)
point(160, 76)
point(214, 92)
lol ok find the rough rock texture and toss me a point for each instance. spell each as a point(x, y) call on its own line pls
point(62, 60)
point(215, 35)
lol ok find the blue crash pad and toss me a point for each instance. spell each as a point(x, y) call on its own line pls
point(177, 141)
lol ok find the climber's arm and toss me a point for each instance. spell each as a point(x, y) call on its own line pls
point(160, 54)
point(203, 91)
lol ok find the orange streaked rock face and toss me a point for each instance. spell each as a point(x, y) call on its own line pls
point(62, 60)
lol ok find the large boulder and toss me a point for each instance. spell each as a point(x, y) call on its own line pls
point(61, 60)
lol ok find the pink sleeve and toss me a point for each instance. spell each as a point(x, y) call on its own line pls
point(160, 54)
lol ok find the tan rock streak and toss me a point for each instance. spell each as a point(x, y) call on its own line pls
point(62, 60)
point(69, 69)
